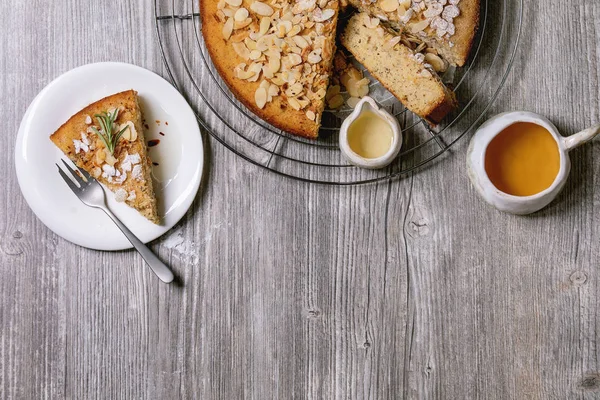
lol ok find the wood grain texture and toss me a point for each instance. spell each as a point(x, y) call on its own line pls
point(410, 289)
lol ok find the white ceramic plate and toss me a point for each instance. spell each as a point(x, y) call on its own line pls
point(180, 155)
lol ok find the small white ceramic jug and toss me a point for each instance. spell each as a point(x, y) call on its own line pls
point(365, 105)
point(520, 205)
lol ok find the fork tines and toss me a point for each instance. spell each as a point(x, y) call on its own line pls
point(79, 178)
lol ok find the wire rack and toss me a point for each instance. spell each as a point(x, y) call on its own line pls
point(477, 85)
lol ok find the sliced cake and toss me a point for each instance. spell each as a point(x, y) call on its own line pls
point(276, 56)
point(447, 25)
point(401, 71)
point(106, 139)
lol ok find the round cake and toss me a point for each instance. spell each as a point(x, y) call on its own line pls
point(276, 57)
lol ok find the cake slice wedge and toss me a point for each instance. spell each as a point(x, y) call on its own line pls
point(106, 139)
point(398, 69)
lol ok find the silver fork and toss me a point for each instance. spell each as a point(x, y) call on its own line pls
point(91, 193)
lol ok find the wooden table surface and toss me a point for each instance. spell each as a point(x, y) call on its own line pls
point(406, 289)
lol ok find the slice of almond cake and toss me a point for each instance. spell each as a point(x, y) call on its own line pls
point(404, 73)
point(106, 139)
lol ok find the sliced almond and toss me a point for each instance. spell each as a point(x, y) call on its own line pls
point(250, 44)
point(255, 68)
point(280, 31)
point(294, 90)
point(304, 5)
point(130, 134)
point(319, 28)
point(241, 50)
point(314, 56)
point(241, 73)
point(261, 44)
point(287, 25)
point(239, 36)
point(262, 9)
point(436, 62)
point(272, 53)
point(322, 15)
point(228, 28)
point(287, 15)
point(300, 42)
point(264, 84)
point(304, 102)
point(265, 24)
point(274, 64)
point(260, 97)
point(388, 5)
point(371, 23)
point(277, 80)
point(388, 45)
point(296, 29)
point(311, 115)
point(273, 90)
point(100, 157)
point(242, 24)
point(234, 3)
point(240, 15)
point(401, 10)
point(321, 93)
point(109, 158)
point(419, 26)
point(255, 55)
point(294, 103)
point(294, 59)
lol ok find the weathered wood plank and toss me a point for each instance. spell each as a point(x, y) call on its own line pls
point(408, 289)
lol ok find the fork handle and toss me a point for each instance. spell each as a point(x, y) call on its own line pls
point(158, 267)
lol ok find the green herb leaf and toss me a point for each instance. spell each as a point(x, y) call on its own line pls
point(106, 121)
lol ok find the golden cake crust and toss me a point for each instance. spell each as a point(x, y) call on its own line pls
point(225, 59)
point(144, 200)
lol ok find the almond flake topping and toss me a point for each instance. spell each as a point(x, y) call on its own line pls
point(261, 8)
point(286, 46)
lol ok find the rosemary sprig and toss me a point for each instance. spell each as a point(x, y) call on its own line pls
point(107, 133)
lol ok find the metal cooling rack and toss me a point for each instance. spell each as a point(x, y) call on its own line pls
point(477, 85)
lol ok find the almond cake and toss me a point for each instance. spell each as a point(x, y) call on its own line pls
point(276, 56)
point(106, 139)
point(404, 73)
